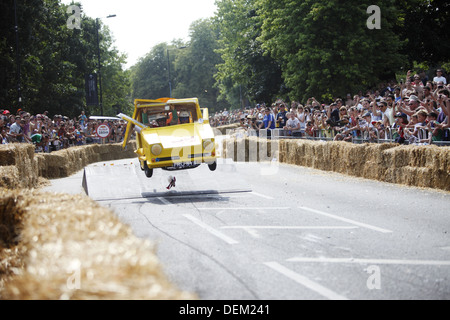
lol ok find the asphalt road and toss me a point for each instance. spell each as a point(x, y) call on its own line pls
point(281, 232)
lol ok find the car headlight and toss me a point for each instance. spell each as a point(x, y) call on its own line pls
point(208, 145)
point(156, 149)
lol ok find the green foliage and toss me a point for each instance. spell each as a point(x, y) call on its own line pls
point(150, 76)
point(195, 66)
point(425, 24)
point(54, 60)
point(326, 48)
point(245, 64)
point(192, 67)
point(252, 51)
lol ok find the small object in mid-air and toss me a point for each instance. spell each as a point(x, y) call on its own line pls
point(171, 182)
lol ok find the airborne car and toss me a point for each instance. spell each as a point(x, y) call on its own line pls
point(172, 134)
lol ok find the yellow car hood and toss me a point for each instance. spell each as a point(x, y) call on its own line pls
point(179, 135)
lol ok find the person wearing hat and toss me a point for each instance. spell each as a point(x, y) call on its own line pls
point(40, 141)
point(184, 117)
point(410, 108)
point(401, 121)
point(252, 124)
point(439, 77)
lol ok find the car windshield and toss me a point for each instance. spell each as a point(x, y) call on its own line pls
point(169, 115)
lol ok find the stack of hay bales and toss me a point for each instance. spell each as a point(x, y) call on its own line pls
point(57, 246)
point(76, 249)
point(420, 166)
point(250, 149)
point(66, 162)
point(223, 130)
point(17, 168)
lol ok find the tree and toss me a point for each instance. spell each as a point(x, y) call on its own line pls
point(150, 75)
point(424, 26)
point(54, 59)
point(195, 66)
point(245, 65)
point(325, 46)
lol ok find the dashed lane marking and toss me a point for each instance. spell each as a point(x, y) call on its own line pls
point(372, 261)
point(246, 208)
point(360, 224)
point(252, 230)
point(210, 229)
point(304, 281)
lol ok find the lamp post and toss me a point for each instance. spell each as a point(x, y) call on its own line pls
point(99, 63)
point(16, 30)
point(168, 70)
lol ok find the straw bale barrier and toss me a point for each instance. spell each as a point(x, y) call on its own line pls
point(66, 162)
point(57, 246)
point(20, 167)
point(420, 166)
point(72, 248)
point(223, 129)
point(250, 149)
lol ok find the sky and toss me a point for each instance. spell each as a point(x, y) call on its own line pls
point(139, 25)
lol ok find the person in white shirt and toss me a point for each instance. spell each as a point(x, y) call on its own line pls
point(292, 124)
point(16, 130)
point(301, 115)
point(439, 77)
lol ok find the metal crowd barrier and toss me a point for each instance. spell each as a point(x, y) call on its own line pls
point(385, 135)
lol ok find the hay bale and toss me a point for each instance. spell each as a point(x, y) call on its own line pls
point(63, 163)
point(227, 128)
point(422, 166)
point(250, 149)
point(9, 177)
point(73, 251)
point(20, 156)
point(57, 233)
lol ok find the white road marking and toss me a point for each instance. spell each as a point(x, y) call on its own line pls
point(304, 281)
point(165, 201)
point(261, 195)
point(289, 227)
point(210, 229)
point(360, 224)
point(248, 208)
point(372, 261)
point(252, 229)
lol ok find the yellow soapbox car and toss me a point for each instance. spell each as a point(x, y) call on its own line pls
point(172, 134)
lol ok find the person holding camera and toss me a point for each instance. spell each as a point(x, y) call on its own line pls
point(333, 114)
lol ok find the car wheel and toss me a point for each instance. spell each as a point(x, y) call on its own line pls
point(148, 172)
point(212, 166)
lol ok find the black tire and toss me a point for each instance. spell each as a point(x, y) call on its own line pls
point(212, 166)
point(148, 172)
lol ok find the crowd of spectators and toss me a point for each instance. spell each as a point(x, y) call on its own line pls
point(54, 133)
point(401, 112)
point(398, 111)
